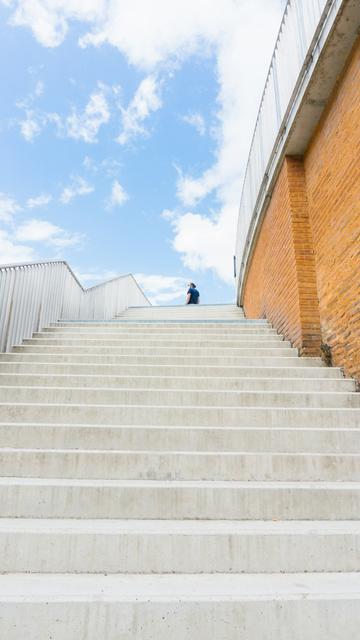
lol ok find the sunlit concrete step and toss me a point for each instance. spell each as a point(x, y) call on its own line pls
point(183, 309)
point(128, 329)
point(186, 315)
point(179, 416)
point(272, 439)
point(177, 465)
point(178, 398)
point(279, 349)
point(161, 342)
point(280, 360)
point(181, 312)
point(207, 306)
point(228, 306)
point(210, 305)
point(168, 546)
point(204, 500)
point(132, 607)
point(179, 309)
point(158, 324)
point(213, 384)
point(191, 318)
point(152, 334)
point(11, 363)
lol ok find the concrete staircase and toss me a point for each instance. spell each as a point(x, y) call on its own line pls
point(177, 473)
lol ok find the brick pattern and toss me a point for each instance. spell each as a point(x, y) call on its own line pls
point(281, 283)
point(305, 271)
point(304, 259)
point(332, 165)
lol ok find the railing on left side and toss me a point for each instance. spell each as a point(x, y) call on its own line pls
point(35, 294)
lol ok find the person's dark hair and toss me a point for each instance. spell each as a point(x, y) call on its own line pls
point(193, 285)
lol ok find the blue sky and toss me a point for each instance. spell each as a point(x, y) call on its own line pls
point(125, 127)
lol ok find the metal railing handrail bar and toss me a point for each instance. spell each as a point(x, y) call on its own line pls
point(283, 125)
point(278, 101)
point(33, 295)
point(85, 289)
point(40, 263)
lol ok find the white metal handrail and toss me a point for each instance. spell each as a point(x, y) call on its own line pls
point(34, 294)
point(298, 36)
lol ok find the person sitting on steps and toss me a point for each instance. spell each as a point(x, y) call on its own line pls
point(193, 296)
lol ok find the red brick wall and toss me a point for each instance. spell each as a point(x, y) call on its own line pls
point(281, 282)
point(304, 274)
point(332, 165)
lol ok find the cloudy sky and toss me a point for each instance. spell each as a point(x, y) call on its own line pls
point(125, 127)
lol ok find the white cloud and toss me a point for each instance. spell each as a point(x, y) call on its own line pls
point(85, 125)
point(89, 164)
point(197, 121)
point(11, 252)
point(8, 208)
point(240, 34)
point(39, 88)
point(168, 214)
point(118, 195)
point(78, 187)
point(34, 121)
point(15, 244)
point(48, 233)
point(162, 289)
point(206, 243)
point(79, 125)
point(48, 20)
point(36, 231)
point(39, 201)
point(109, 166)
point(31, 126)
point(146, 100)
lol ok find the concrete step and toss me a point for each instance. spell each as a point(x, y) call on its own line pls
point(131, 607)
point(178, 398)
point(128, 329)
point(146, 499)
point(281, 359)
point(177, 308)
point(180, 416)
point(177, 323)
point(186, 547)
point(186, 315)
point(179, 465)
point(196, 314)
point(295, 385)
point(226, 306)
point(203, 309)
point(179, 311)
point(272, 439)
point(279, 349)
point(252, 341)
point(183, 309)
point(16, 364)
point(211, 305)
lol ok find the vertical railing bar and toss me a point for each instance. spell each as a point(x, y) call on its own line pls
point(8, 309)
point(16, 317)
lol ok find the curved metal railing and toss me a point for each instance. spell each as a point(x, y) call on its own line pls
point(298, 37)
point(34, 294)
